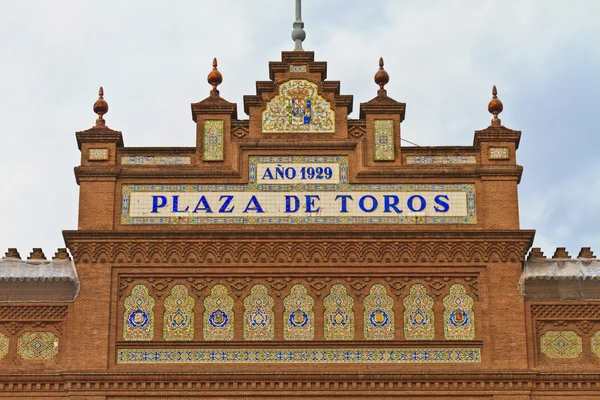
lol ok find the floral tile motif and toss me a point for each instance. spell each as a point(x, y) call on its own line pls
point(156, 160)
point(258, 314)
point(298, 68)
point(3, 345)
point(459, 319)
point(595, 343)
point(339, 314)
point(298, 317)
point(379, 314)
point(98, 155)
point(37, 345)
point(178, 321)
point(419, 319)
point(384, 140)
point(561, 344)
point(498, 153)
point(138, 319)
point(213, 140)
point(441, 159)
point(299, 356)
point(218, 314)
point(298, 108)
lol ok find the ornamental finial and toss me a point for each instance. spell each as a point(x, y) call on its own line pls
point(381, 78)
point(214, 79)
point(100, 108)
point(298, 34)
point(495, 107)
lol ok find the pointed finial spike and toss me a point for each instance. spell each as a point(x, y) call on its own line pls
point(495, 107)
point(100, 108)
point(381, 78)
point(298, 34)
point(214, 78)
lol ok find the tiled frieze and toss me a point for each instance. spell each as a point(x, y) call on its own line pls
point(441, 159)
point(299, 317)
point(258, 315)
point(595, 343)
point(155, 160)
point(138, 319)
point(561, 344)
point(419, 319)
point(298, 108)
point(178, 321)
point(459, 323)
point(498, 153)
point(4, 341)
point(218, 314)
point(213, 140)
point(37, 345)
point(379, 320)
point(339, 314)
point(298, 68)
point(312, 356)
point(303, 190)
point(384, 140)
point(98, 155)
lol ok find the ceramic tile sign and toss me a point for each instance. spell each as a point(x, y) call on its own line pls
point(298, 190)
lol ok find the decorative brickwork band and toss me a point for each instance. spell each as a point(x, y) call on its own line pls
point(419, 319)
point(138, 319)
point(178, 321)
point(378, 320)
point(459, 319)
point(384, 140)
point(258, 315)
point(299, 317)
point(339, 314)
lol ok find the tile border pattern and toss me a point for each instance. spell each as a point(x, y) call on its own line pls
point(155, 160)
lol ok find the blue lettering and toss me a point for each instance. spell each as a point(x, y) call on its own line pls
point(279, 171)
point(289, 206)
point(253, 205)
point(390, 202)
point(344, 198)
point(268, 174)
point(156, 205)
point(410, 204)
point(176, 205)
point(202, 206)
point(374, 203)
point(310, 203)
point(290, 173)
point(439, 200)
point(228, 200)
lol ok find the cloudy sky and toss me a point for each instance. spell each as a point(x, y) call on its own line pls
point(152, 58)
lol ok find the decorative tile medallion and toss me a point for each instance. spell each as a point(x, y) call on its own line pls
point(419, 319)
point(324, 197)
point(156, 160)
point(298, 108)
point(379, 314)
point(459, 319)
point(312, 356)
point(595, 343)
point(258, 314)
point(499, 153)
point(298, 68)
point(178, 321)
point(298, 317)
point(561, 344)
point(384, 140)
point(98, 155)
point(138, 319)
point(441, 159)
point(339, 314)
point(37, 345)
point(218, 314)
point(3, 345)
point(213, 140)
